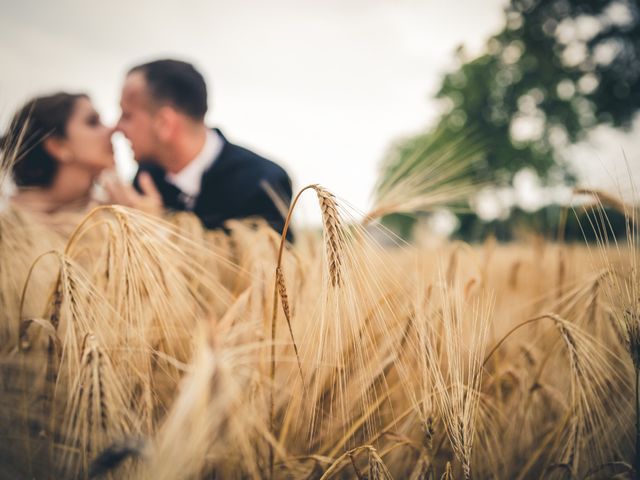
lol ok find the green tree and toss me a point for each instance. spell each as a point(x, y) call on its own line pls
point(557, 69)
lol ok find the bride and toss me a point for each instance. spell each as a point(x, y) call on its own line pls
point(57, 147)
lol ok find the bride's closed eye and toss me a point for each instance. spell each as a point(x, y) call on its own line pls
point(93, 120)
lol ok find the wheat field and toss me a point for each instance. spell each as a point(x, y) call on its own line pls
point(150, 348)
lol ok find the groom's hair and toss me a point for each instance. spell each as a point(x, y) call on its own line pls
point(177, 83)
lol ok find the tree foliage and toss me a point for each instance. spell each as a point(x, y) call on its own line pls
point(556, 70)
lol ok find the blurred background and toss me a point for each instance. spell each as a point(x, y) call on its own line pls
point(341, 93)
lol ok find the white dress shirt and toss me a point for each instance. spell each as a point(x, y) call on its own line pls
point(189, 179)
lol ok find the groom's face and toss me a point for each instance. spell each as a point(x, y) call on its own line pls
point(137, 119)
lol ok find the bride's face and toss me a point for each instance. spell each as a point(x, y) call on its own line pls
point(87, 139)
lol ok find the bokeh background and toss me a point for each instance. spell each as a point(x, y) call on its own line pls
point(330, 89)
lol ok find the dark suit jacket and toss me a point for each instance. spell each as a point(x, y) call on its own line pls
point(232, 188)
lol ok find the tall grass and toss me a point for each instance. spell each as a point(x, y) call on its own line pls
point(148, 348)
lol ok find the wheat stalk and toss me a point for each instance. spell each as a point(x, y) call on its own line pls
point(332, 225)
point(605, 198)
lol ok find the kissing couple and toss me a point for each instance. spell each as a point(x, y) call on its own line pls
point(60, 149)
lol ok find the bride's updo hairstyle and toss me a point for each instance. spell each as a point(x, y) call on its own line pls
point(37, 120)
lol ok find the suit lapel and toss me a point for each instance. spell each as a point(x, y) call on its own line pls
point(209, 184)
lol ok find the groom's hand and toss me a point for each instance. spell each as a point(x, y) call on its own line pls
point(149, 201)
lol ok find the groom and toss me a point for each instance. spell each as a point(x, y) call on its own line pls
point(185, 166)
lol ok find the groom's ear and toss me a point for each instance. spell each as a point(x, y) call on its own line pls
point(166, 123)
point(57, 148)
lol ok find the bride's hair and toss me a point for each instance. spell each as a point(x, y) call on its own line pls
point(38, 119)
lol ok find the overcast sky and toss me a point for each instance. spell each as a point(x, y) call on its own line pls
point(322, 87)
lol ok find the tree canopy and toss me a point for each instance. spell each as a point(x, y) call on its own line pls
point(557, 69)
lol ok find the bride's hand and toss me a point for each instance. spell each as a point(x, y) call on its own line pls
point(149, 201)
